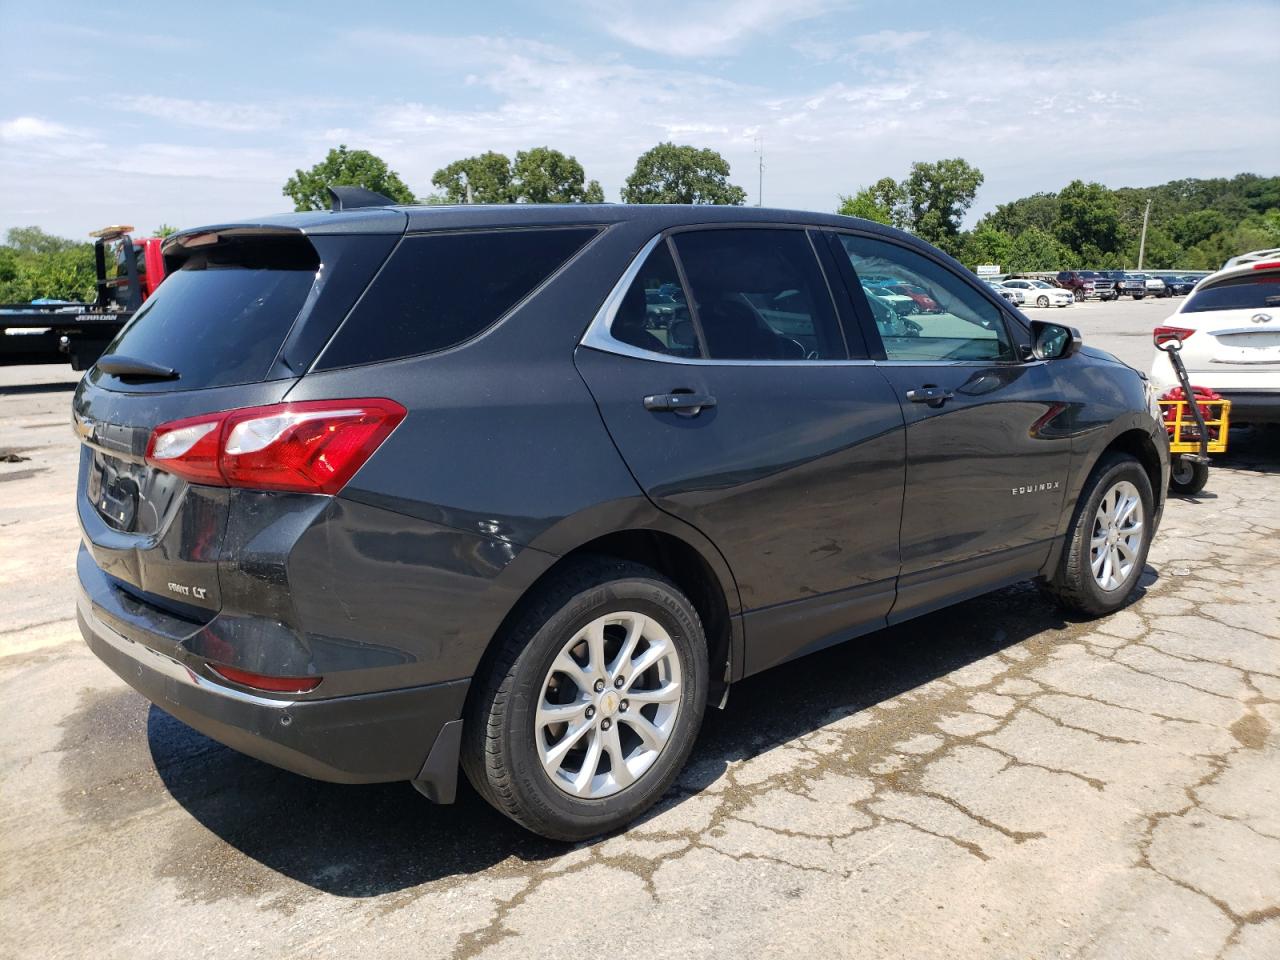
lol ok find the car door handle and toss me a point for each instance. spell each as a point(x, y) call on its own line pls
point(689, 404)
point(933, 396)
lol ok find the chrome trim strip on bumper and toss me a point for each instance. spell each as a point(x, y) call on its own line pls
point(165, 665)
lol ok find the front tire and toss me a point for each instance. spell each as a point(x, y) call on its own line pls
point(588, 708)
point(1042, 301)
point(1108, 539)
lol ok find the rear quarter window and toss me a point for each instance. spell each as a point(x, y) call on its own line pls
point(438, 290)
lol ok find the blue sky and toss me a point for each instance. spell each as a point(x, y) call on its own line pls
point(194, 113)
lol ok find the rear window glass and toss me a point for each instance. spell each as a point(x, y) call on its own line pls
point(1237, 293)
point(438, 290)
point(222, 316)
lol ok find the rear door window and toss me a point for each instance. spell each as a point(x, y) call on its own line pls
point(222, 316)
point(440, 289)
point(759, 294)
point(654, 312)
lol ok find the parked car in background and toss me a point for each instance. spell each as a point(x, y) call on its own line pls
point(1152, 285)
point(1178, 286)
point(919, 296)
point(1013, 296)
point(1131, 284)
point(1081, 283)
point(370, 493)
point(1230, 333)
point(1040, 294)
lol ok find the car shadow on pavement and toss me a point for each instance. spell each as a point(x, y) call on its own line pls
point(28, 389)
point(362, 841)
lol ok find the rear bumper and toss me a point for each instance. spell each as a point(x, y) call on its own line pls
point(1253, 406)
point(408, 734)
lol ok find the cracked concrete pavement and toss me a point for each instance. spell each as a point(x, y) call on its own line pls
point(988, 781)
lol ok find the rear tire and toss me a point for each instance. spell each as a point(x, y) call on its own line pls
point(1078, 582)
point(509, 743)
point(1188, 477)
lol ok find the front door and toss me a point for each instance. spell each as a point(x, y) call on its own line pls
point(724, 378)
point(986, 468)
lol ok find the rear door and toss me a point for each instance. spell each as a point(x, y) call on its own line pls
point(230, 323)
point(986, 465)
point(743, 412)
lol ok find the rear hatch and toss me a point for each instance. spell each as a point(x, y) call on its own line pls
point(1242, 316)
point(242, 313)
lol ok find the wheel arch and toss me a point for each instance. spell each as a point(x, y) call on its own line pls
point(690, 561)
point(1128, 436)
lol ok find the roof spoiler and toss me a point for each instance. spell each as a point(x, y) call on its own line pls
point(350, 198)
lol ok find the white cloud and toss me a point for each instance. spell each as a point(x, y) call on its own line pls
point(700, 29)
point(31, 129)
point(214, 115)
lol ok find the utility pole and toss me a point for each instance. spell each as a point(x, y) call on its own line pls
point(759, 148)
point(1142, 244)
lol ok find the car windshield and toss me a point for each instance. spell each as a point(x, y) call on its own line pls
point(1041, 283)
point(1237, 293)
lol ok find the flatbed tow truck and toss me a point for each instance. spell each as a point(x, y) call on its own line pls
point(128, 271)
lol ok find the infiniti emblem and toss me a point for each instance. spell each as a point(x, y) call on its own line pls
point(1261, 318)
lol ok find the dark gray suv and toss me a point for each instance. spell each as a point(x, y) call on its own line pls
point(379, 493)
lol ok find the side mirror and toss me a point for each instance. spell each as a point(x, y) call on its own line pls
point(1053, 341)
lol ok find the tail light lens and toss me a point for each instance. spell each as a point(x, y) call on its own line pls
point(261, 681)
point(1162, 335)
point(313, 446)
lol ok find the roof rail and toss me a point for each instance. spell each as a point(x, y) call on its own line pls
point(351, 198)
point(1257, 256)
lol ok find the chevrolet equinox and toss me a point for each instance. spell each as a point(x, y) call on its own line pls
point(381, 492)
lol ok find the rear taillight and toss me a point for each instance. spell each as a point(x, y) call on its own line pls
point(1162, 335)
point(262, 681)
point(313, 446)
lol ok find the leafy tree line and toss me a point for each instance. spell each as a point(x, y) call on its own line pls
point(668, 173)
point(1195, 224)
point(35, 264)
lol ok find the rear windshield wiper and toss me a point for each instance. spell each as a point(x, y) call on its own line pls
point(119, 365)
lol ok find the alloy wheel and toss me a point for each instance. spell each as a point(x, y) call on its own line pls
point(1118, 530)
point(608, 705)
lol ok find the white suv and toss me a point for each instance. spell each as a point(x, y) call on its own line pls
point(1230, 332)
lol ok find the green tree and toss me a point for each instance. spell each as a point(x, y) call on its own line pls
point(543, 175)
point(1038, 210)
point(594, 193)
point(164, 230)
point(347, 168)
point(1188, 229)
point(1036, 249)
point(882, 202)
point(1087, 217)
point(34, 240)
point(487, 175)
point(937, 196)
point(986, 244)
point(35, 264)
point(681, 174)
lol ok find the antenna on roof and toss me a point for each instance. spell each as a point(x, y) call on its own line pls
point(352, 198)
